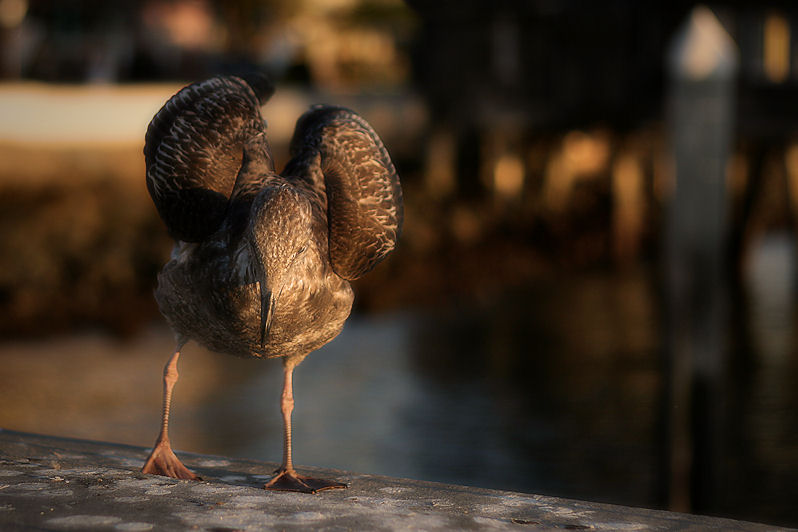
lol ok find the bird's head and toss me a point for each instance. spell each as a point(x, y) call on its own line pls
point(280, 231)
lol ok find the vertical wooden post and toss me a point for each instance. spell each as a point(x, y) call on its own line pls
point(702, 66)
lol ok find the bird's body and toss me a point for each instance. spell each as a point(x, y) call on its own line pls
point(208, 292)
point(262, 262)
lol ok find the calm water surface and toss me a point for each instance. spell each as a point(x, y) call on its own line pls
point(555, 388)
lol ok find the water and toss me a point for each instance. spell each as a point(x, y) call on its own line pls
point(554, 388)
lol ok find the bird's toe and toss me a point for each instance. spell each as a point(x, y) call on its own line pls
point(289, 481)
point(162, 461)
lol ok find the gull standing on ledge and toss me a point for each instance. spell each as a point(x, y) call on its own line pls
point(262, 262)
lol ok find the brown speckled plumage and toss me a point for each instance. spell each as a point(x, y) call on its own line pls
point(262, 262)
point(210, 173)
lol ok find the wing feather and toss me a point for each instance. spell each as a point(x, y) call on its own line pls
point(194, 150)
point(336, 150)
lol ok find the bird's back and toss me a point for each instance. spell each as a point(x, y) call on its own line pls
point(208, 292)
point(210, 174)
point(225, 318)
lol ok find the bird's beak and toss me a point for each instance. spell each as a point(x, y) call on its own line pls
point(266, 313)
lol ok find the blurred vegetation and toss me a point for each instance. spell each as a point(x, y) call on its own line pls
point(81, 248)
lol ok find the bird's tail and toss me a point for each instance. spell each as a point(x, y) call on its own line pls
point(194, 150)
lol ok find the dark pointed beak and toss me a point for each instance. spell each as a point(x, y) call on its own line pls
point(266, 313)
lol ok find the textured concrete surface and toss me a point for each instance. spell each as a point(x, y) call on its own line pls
point(49, 483)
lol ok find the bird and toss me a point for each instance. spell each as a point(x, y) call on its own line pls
point(262, 262)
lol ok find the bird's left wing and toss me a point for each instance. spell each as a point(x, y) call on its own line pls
point(195, 147)
point(336, 150)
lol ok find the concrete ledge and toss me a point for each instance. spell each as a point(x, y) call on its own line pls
point(49, 483)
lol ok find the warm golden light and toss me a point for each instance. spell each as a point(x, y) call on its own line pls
point(776, 48)
point(791, 163)
point(440, 164)
point(12, 12)
point(582, 156)
point(508, 176)
point(587, 153)
point(629, 202)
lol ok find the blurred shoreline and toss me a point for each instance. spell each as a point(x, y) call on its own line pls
point(82, 243)
point(81, 240)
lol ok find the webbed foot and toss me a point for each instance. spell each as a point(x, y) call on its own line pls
point(162, 461)
point(288, 480)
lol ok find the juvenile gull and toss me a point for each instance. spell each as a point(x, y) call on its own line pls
point(262, 262)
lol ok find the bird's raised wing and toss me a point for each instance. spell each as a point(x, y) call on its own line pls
point(194, 150)
point(339, 149)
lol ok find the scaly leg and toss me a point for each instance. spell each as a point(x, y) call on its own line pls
point(162, 461)
point(286, 478)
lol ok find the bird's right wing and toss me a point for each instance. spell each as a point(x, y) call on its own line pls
point(336, 150)
point(194, 150)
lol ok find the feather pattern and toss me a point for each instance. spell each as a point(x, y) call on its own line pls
point(194, 150)
point(262, 262)
point(364, 198)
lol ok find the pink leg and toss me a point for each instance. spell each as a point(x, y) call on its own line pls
point(162, 460)
point(286, 478)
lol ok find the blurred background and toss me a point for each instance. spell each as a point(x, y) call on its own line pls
point(594, 293)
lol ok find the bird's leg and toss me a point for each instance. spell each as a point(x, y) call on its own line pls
point(286, 478)
point(162, 460)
